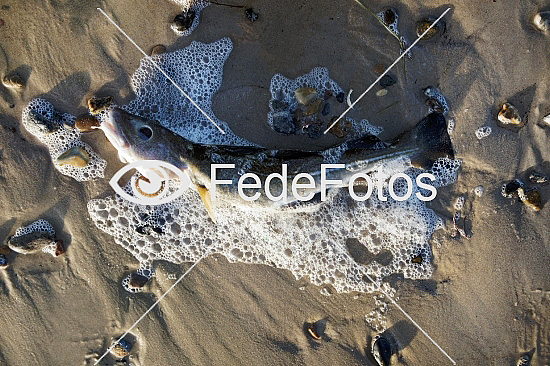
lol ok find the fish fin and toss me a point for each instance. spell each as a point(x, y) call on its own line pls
point(204, 193)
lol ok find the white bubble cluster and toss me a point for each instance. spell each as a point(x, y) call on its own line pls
point(282, 90)
point(198, 70)
point(193, 5)
point(479, 190)
point(436, 94)
point(309, 244)
point(38, 225)
point(459, 203)
point(39, 114)
point(483, 132)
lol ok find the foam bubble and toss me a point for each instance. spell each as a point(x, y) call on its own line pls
point(40, 112)
point(483, 132)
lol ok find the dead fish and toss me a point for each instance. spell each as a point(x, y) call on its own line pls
point(138, 138)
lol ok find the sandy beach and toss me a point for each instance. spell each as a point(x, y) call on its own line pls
point(486, 301)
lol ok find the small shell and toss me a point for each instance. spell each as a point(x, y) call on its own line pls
point(531, 198)
point(158, 49)
point(96, 105)
point(541, 21)
point(341, 129)
point(121, 349)
point(381, 92)
point(13, 81)
point(312, 333)
point(423, 25)
point(538, 178)
point(313, 108)
point(305, 96)
point(509, 115)
point(86, 123)
point(75, 156)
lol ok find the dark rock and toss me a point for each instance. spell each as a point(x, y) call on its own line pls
point(386, 81)
point(326, 109)
point(314, 131)
point(282, 123)
point(340, 97)
point(510, 189)
point(137, 281)
point(183, 21)
point(278, 105)
point(251, 15)
point(382, 350)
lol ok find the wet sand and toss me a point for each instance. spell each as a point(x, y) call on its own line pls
point(487, 301)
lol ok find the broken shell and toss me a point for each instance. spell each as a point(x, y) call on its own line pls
point(509, 115)
point(341, 129)
point(524, 360)
point(121, 349)
point(86, 123)
point(305, 96)
point(75, 156)
point(3, 261)
point(423, 25)
point(251, 15)
point(510, 189)
point(183, 21)
point(13, 81)
point(159, 49)
point(31, 242)
point(541, 21)
point(381, 92)
point(312, 331)
point(59, 248)
point(530, 198)
point(538, 178)
point(382, 350)
point(313, 108)
point(434, 105)
point(96, 105)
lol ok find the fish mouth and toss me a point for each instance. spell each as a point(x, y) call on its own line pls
point(112, 130)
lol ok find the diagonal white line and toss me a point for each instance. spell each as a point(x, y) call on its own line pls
point(409, 317)
point(162, 71)
point(387, 70)
point(153, 306)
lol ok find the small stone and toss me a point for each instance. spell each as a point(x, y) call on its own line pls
point(382, 350)
point(3, 262)
point(314, 131)
point(434, 105)
point(44, 125)
point(12, 105)
point(541, 21)
point(417, 259)
point(510, 189)
point(59, 248)
point(282, 123)
point(96, 105)
point(137, 281)
point(509, 115)
point(423, 25)
point(75, 156)
point(327, 95)
point(183, 21)
point(251, 15)
point(5, 7)
point(386, 81)
point(340, 97)
point(13, 81)
point(379, 68)
point(5, 250)
point(159, 49)
point(531, 198)
point(313, 108)
point(121, 349)
point(86, 123)
point(389, 17)
point(381, 92)
point(31, 242)
point(341, 129)
point(538, 178)
point(326, 109)
point(305, 95)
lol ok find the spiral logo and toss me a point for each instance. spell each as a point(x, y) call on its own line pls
point(152, 188)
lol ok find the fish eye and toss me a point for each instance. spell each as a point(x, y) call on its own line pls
point(145, 132)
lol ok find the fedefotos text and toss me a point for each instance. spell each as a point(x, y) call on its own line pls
point(306, 182)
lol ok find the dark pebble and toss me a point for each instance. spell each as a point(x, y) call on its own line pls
point(5, 7)
point(137, 280)
point(326, 109)
point(389, 17)
point(12, 105)
point(277, 105)
point(282, 123)
point(510, 189)
point(327, 94)
point(314, 131)
point(340, 97)
point(386, 81)
point(382, 350)
point(251, 15)
point(183, 21)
